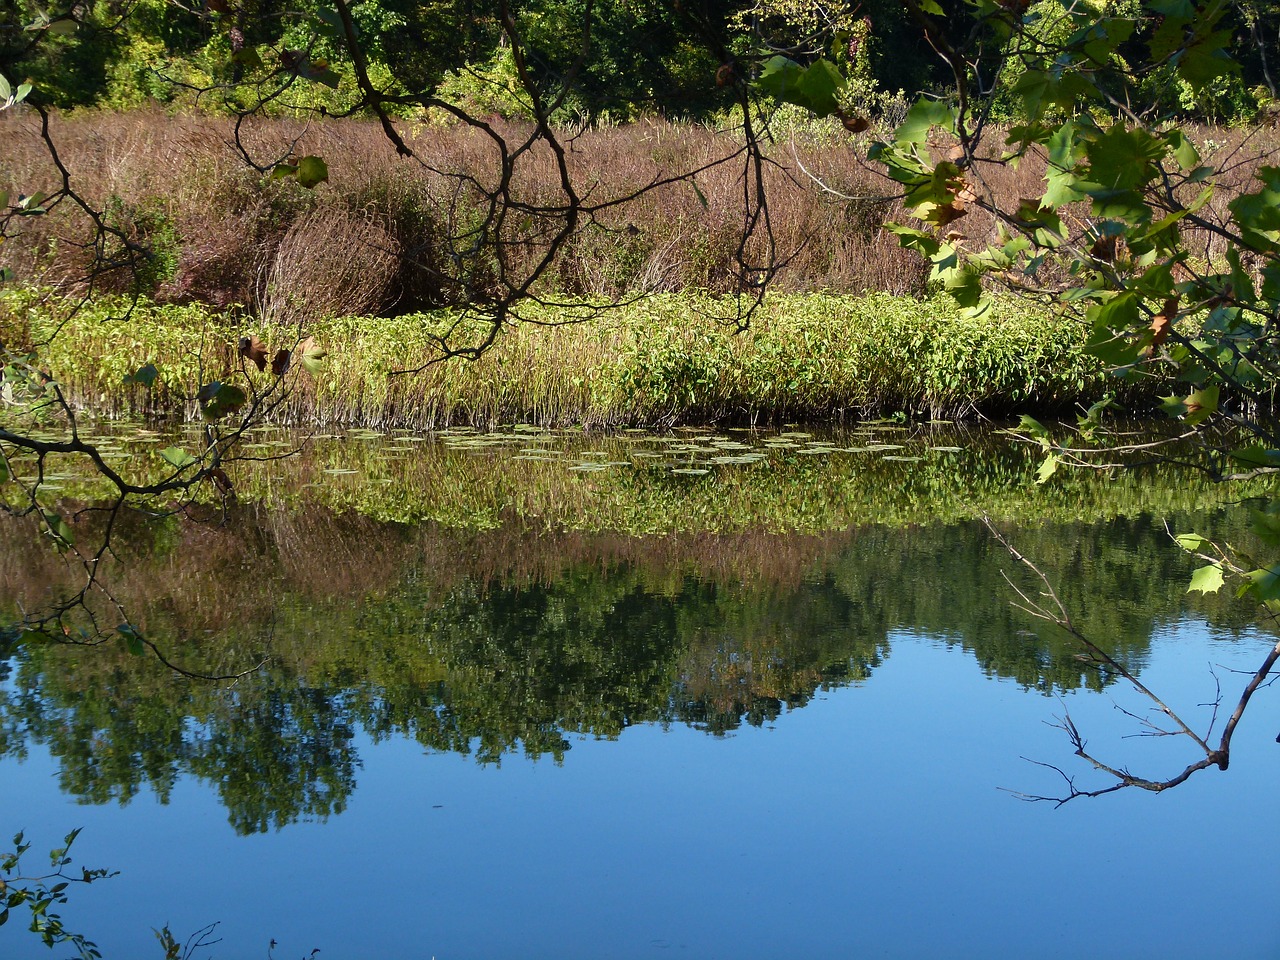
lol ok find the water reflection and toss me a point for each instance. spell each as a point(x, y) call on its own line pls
point(516, 640)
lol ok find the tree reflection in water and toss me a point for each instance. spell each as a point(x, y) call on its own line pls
point(515, 640)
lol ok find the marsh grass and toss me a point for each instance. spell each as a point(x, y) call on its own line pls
point(660, 361)
point(232, 228)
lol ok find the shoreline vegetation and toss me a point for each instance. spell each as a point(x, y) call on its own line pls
point(851, 328)
point(659, 361)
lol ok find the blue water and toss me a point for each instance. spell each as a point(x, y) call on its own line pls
point(869, 823)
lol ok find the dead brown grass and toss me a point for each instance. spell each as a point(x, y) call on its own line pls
point(402, 231)
point(390, 235)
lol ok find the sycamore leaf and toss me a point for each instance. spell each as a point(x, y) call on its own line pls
point(1256, 455)
point(1207, 579)
point(143, 376)
point(254, 350)
point(1034, 427)
point(280, 362)
point(1202, 404)
point(218, 399)
point(1047, 469)
point(924, 115)
point(1266, 525)
point(178, 457)
point(312, 355)
point(132, 638)
point(312, 171)
point(58, 530)
point(1192, 542)
point(1263, 584)
point(814, 87)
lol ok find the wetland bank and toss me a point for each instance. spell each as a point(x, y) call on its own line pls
point(417, 544)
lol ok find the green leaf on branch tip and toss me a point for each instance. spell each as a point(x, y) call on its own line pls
point(1183, 150)
point(143, 376)
point(1047, 469)
point(31, 637)
point(1207, 579)
point(218, 399)
point(1192, 542)
point(1193, 409)
point(814, 87)
point(924, 243)
point(1258, 214)
point(132, 638)
point(1091, 420)
point(313, 356)
point(248, 57)
point(964, 283)
point(178, 457)
point(58, 529)
point(1033, 427)
point(312, 171)
point(1266, 526)
point(1123, 158)
point(1256, 455)
point(1263, 584)
point(924, 115)
point(1117, 315)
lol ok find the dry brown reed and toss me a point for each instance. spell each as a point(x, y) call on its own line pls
point(231, 225)
point(331, 262)
point(392, 235)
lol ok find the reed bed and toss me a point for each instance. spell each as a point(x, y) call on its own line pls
point(660, 361)
point(223, 234)
point(386, 234)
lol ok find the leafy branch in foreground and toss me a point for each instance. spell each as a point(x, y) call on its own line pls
point(1165, 248)
point(1046, 605)
point(40, 892)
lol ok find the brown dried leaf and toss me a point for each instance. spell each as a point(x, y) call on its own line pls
point(948, 213)
point(1104, 249)
point(254, 349)
point(856, 124)
point(222, 481)
point(1162, 322)
point(280, 362)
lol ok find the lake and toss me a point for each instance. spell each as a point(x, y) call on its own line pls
point(707, 695)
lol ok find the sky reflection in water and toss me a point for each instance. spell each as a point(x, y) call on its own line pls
point(867, 823)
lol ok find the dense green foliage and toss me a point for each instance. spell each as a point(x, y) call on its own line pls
point(647, 56)
point(661, 360)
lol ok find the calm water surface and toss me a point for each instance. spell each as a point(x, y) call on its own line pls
point(527, 741)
